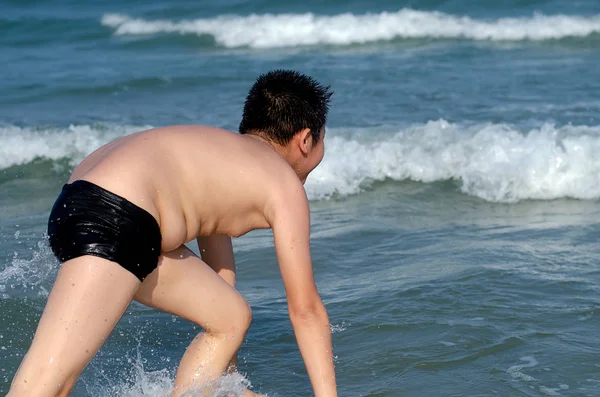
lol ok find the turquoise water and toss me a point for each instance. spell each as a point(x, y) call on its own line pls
point(455, 216)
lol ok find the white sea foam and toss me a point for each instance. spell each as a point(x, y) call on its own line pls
point(289, 30)
point(21, 145)
point(496, 162)
point(516, 371)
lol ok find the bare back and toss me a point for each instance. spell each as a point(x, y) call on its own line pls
point(194, 180)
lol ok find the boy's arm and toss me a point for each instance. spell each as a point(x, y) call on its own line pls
point(217, 252)
point(290, 220)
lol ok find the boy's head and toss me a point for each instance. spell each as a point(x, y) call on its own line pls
point(289, 110)
point(282, 103)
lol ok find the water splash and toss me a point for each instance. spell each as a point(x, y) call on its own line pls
point(26, 276)
point(159, 383)
point(335, 328)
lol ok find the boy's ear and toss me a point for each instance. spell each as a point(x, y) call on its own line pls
point(305, 140)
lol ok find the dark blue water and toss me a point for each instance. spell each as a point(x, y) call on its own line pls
point(455, 216)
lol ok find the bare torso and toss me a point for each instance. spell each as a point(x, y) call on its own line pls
point(195, 180)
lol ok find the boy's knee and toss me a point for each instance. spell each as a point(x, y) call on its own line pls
point(242, 318)
point(246, 316)
point(233, 321)
point(236, 323)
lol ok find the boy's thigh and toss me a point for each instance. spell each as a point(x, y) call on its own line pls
point(185, 286)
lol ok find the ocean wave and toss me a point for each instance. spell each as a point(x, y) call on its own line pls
point(290, 30)
point(495, 162)
point(21, 145)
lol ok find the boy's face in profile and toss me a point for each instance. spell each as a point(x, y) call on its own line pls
point(315, 155)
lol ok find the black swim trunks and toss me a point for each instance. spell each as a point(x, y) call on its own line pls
point(89, 220)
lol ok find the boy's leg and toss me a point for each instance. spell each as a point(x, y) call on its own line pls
point(187, 287)
point(88, 298)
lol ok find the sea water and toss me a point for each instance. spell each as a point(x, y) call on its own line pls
point(455, 217)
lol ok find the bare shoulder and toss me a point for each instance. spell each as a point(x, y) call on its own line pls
point(287, 198)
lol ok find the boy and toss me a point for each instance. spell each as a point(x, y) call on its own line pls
point(120, 225)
